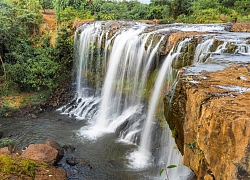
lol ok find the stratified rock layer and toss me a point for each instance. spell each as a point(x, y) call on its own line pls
point(210, 116)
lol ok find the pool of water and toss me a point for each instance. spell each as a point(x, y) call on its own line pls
point(106, 155)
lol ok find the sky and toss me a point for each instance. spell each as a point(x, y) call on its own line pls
point(145, 1)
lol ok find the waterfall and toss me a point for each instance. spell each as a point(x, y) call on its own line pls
point(125, 58)
point(202, 50)
point(115, 66)
point(142, 158)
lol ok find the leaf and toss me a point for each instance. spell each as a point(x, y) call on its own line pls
point(171, 166)
point(161, 171)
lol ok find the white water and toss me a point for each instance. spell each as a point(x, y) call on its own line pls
point(143, 157)
point(124, 61)
point(202, 50)
point(121, 56)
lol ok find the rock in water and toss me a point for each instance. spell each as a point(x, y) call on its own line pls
point(41, 152)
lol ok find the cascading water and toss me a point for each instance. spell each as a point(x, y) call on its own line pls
point(114, 66)
point(142, 157)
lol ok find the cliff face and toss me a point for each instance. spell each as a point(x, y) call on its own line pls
point(210, 118)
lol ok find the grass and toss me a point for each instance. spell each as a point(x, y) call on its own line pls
point(16, 101)
point(15, 166)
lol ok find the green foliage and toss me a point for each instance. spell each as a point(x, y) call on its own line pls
point(181, 10)
point(165, 168)
point(171, 166)
point(5, 142)
point(161, 171)
point(194, 147)
point(8, 165)
point(64, 51)
point(6, 108)
point(23, 168)
point(191, 145)
point(28, 60)
point(46, 4)
point(28, 167)
point(242, 7)
point(174, 133)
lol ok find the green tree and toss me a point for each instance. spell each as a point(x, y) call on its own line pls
point(227, 3)
point(242, 7)
point(64, 51)
point(46, 4)
point(178, 7)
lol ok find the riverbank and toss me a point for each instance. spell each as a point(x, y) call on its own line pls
point(34, 162)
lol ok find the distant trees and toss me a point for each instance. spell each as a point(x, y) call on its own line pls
point(198, 11)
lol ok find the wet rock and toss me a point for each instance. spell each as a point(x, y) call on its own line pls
point(41, 152)
point(176, 36)
point(56, 146)
point(72, 161)
point(68, 148)
point(75, 167)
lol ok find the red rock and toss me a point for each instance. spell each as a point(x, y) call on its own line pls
point(213, 124)
point(4, 150)
point(41, 152)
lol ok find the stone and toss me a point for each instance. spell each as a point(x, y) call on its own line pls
point(5, 150)
point(240, 27)
point(71, 160)
point(213, 124)
point(56, 146)
point(41, 152)
point(175, 37)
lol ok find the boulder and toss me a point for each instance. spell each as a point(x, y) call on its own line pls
point(41, 152)
point(56, 146)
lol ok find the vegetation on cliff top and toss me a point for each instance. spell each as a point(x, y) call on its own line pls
point(199, 11)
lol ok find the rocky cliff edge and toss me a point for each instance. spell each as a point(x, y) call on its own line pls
point(210, 120)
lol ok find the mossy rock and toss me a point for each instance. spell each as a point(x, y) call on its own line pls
point(231, 48)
